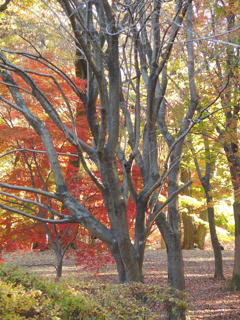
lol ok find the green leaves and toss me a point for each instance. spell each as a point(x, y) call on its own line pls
point(23, 296)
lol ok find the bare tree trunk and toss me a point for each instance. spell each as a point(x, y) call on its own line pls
point(175, 265)
point(59, 254)
point(124, 252)
point(201, 232)
point(235, 282)
point(126, 258)
point(174, 253)
point(231, 138)
point(173, 240)
point(122, 276)
point(234, 163)
point(231, 151)
point(140, 236)
point(175, 261)
point(218, 274)
point(206, 183)
point(59, 265)
point(188, 231)
point(187, 219)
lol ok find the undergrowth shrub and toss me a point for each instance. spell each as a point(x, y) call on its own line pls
point(18, 303)
point(23, 296)
point(135, 301)
point(36, 298)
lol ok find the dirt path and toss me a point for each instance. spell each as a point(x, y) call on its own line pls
point(209, 299)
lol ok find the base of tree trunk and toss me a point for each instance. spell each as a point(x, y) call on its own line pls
point(219, 277)
point(235, 282)
point(175, 312)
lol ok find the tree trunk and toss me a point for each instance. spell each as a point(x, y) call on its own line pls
point(130, 261)
point(59, 266)
point(201, 232)
point(174, 253)
point(122, 276)
point(234, 164)
point(173, 239)
point(231, 139)
point(175, 265)
point(187, 220)
point(124, 252)
point(205, 181)
point(200, 235)
point(188, 231)
point(126, 259)
point(175, 262)
point(140, 233)
point(235, 282)
point(59, 254)
point(175, 312)
point(218, 274)
point(126, 256)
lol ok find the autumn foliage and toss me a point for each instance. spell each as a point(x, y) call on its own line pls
point(28, 166)
point(31, 169)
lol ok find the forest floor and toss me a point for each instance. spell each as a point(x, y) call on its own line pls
point(209, 299)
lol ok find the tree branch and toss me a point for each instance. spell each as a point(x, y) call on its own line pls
point(154, 216)
point(27, 189)
point(34, 203)
point(66, 220)
point(38, 151)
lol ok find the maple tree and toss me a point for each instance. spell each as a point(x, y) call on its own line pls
point(32, 169)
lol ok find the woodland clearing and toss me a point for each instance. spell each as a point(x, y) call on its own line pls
point(209, 299)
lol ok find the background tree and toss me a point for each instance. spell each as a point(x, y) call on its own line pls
point(230, 102)
point(225, 71)
point(206, 183)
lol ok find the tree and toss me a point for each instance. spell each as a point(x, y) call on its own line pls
point(125, 53)
point(226, 72)
point(172, 238)
point(106, 106)
point(31, 168)
point(206, 183)
point(230, 136)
